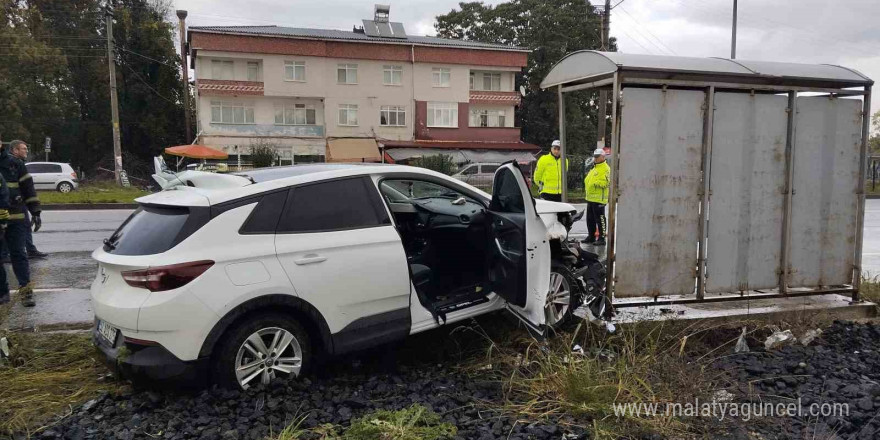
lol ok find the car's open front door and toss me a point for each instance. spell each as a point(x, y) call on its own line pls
point(519, 255)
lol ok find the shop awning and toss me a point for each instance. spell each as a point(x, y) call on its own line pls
point(196, 152)
point(402, 154)
point(353, 150)
point(498, 156)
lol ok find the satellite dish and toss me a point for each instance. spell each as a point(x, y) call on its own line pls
point(522, 90)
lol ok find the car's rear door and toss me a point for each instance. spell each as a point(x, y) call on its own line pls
point(336, 242)
point(519, 257)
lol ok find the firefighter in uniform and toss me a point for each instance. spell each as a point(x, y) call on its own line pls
point(22, 196)
point(4, 217)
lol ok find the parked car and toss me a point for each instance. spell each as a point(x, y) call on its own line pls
point(477, 174)
point(53, 176)
point(244, 277)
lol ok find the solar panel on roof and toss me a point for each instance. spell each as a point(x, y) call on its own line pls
point(384, 30)
point(399, 31)
point(371, 29)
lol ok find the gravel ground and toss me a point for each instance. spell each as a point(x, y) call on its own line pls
point(842, 366)
point(220, 414)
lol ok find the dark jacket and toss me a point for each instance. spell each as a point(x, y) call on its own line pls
point(20, 186)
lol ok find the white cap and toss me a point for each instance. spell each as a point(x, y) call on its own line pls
point(598, 152)
point(555, 143)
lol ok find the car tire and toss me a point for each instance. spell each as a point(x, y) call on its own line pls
point(238, 352)
point(65, 187)
point(563, 297)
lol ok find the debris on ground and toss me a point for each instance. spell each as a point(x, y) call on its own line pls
point(810, 336)
point(741, 345)
point(778, 339)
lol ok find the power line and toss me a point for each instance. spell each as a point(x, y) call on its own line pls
point(141, 79)
point(646, 30)
point(618, 3)
point(637, 42)
point(146, 57)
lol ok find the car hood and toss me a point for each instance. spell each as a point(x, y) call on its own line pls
point(547, 206)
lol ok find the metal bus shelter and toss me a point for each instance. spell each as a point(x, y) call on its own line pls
point(731, 179)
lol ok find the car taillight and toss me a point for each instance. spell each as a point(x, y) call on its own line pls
point(158, 279)
point(73, 174)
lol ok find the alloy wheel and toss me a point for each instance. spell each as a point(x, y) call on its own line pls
point(558, 299)
point(265, 354)
point(65, 188)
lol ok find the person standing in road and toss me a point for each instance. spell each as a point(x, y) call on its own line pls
point(548, 174)
point(22, 198)
point(596, 185)
point(32, 251)
point(4, 218)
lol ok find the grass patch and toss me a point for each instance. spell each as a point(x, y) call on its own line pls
point(104, 192)
point(46, 375)
point(413, 423)
point(869, 290)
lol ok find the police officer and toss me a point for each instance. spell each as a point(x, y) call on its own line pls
point(548, 174)
point(22, 197)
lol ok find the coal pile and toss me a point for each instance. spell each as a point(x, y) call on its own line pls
point(258, 412)
point(841, 368)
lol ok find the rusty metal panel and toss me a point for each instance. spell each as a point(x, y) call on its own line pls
point(824, 204)
point(746, 200)
point(659, 183)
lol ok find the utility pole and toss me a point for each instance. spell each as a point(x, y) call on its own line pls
point(114, 101)
point(733, 36)
point(603, 94)
point(181, 14)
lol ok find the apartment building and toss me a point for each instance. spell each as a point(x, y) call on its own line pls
point(371, 94)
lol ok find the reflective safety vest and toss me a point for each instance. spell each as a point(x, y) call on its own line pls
point(596, 183)
point(548, 172)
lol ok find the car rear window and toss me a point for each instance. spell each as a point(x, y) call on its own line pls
point(41, 168)
point(332, 206)
point(153, 230)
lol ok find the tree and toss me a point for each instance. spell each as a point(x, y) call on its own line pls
point(262, 153)
point(551, 29)
point(874, 140)
point(54, 79)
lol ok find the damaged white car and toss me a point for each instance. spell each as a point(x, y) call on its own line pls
point(243, 278)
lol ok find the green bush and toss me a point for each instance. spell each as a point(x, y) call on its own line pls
point(441, 163)
point(262, 154)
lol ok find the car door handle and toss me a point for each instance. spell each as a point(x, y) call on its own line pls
point(310, 259)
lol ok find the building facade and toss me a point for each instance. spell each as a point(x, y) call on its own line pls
point(315, 95)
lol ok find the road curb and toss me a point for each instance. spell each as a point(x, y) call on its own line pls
point(87, 206)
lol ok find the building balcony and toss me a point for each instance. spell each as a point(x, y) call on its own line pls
point(265, 130)
point(495, 98)
point(220, 87)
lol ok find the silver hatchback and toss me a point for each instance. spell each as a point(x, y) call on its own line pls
point(53, 176)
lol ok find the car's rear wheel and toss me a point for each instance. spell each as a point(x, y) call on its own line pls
point(65, 187)
point(562, 296)
point(261, 349)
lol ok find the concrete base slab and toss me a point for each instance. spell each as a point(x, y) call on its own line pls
point(827, 306)
point(56, 309)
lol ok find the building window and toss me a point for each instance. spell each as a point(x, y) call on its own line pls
point(442, 114)
point(222, 69)
point(347, 74)
point(253, 71)
point(227, 112)
point(471, 81)
point(294, 114)
point(392, 75)
point(294, 70)
point(348, 114)
point(488, 118)
point(440, 77)
point(392, 116)
point(492, 81)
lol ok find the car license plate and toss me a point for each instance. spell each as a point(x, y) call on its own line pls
point(107, 332)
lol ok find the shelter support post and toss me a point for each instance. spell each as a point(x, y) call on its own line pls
point(613, 190)
point(860, 213)
point(705, 189)
point(788, 192)
point(562, 157)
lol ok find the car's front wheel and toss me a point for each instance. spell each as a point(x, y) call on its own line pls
point(563, 296)
point(65, 187)
point(260, 349)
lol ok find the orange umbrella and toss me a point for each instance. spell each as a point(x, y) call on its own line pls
point(196, 152)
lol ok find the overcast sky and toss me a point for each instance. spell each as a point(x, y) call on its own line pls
point(844, 32)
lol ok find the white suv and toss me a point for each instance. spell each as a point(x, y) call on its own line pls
point(239, 278)
point(53, 176)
